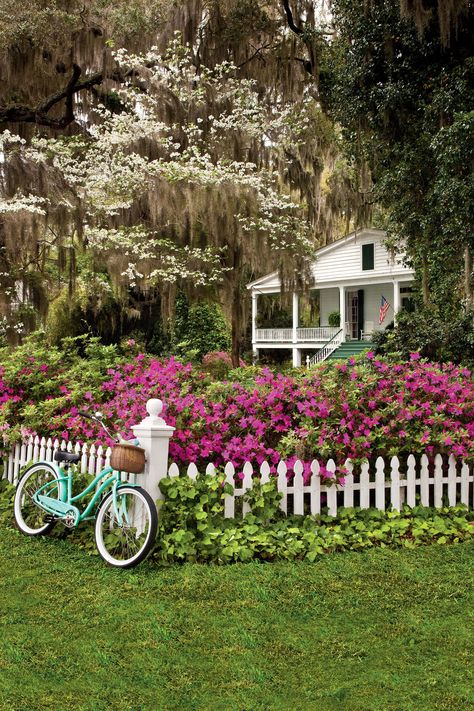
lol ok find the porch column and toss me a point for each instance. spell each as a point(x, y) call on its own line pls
point(254, 323)
point(295, 316)
point(296, 351)
point(342, 310)
point(296, 357)
point(396, 298)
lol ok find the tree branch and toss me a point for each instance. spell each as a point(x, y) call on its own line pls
point(39, 115)
point(257, 53)
point(308, 64)
point(289, 16)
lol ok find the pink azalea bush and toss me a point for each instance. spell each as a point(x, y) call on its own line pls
point(218, 363)
point(357, 409)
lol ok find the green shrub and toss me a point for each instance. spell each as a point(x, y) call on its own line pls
point(192, 526)
point(435, 335)
point(334, 319)
point(199, 329)
point(40, 370)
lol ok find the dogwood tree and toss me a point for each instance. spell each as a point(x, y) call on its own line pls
point(182, 182)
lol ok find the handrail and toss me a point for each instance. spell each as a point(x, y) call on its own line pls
point(328, 348)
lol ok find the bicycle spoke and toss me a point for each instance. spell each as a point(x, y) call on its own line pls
point(122, 538)
point(30, 516)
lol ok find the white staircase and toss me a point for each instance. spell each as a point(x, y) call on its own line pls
point(328, 348)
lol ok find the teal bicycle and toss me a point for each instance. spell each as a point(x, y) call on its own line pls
point(125, 515)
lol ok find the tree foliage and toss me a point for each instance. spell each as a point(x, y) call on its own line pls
point(404, 93)
point(193, 158)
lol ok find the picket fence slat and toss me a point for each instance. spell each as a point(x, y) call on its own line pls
point(444, 481)
point(282, 485)
point(264, 473)
point(438, 481)
point(246, 485)
point(395, 498)
point(465, 484)
point(380, 484)
point(364, 486)
point(298, 494)
point(424, 481)
point(452, 474)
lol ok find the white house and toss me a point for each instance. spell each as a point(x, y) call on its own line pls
point(353, 276)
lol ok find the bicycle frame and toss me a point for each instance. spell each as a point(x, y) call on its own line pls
point(65, 503)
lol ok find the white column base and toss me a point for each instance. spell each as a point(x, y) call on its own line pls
point(296, 357)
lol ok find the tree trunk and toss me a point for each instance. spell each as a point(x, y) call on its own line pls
point(468, 290)
point(425, 281)
point(236, 338)
point(236, 327)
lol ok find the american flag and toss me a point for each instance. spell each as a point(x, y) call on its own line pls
point(384, 307)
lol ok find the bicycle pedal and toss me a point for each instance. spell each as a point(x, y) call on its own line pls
point(70, 519)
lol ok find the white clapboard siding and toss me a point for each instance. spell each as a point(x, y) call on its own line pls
point(380, 484)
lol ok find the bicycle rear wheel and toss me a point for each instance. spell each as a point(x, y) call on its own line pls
point(124, 541)
point(31, 518)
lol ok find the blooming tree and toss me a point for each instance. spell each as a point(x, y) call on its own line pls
point(183, 182)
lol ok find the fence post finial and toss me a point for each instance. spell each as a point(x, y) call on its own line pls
point(154, 435)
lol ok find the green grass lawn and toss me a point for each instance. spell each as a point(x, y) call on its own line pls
point(386, 629)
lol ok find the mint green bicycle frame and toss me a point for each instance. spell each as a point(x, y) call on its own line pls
point(65, 503)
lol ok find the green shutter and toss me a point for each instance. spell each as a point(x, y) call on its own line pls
point(367, 257)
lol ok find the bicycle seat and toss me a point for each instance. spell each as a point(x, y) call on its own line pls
point(66, 457)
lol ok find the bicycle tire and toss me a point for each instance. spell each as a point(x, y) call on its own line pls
point(101, 523)
point(19, 505)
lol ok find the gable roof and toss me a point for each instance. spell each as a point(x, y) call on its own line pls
point(272, 279)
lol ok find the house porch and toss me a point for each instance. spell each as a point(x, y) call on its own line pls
point(358, 305)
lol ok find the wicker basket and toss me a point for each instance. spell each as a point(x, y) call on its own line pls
point(127, 458)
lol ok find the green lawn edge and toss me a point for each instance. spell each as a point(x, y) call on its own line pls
point(380, 629)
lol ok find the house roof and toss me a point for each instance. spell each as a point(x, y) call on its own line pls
point(273, 280)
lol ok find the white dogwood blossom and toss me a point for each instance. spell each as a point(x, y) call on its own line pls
point(142, 175)
point(24, 203)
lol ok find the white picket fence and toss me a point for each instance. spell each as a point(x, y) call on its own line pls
point(35, 449)
point(379, 486)
point(376, 485)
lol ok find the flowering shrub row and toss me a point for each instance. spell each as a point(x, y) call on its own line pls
point(357, 409)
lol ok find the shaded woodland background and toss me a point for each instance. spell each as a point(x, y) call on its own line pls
point(383, 97)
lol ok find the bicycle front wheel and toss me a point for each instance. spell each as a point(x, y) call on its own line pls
point(125, 534)
point(31, 518)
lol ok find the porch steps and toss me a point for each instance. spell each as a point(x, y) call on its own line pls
point(350, 348)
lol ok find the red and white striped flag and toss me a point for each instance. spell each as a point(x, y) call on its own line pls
point(384, 307)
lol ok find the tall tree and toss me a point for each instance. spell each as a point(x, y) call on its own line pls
point(400, 80)
point(276, 169)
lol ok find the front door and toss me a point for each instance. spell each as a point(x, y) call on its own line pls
point(352, 314)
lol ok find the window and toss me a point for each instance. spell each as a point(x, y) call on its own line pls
point(407, 302)
point(367, 257)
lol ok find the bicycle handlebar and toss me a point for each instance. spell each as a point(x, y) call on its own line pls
point(118, 438)
point(86, 414)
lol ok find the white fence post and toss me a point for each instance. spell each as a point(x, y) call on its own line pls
point(154, 436)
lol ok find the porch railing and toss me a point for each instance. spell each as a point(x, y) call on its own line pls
point(324, 333)
point(285, 335)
